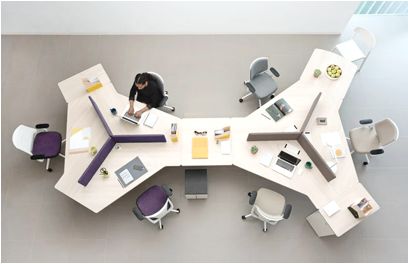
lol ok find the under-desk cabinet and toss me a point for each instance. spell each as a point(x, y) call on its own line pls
point(319, 224)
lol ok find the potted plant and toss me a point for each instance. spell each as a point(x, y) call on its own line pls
point(254, 149)
point(104, 172)
point(317, 73)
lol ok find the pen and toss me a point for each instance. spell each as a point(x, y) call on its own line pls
point(295, 127)
point(265, 116)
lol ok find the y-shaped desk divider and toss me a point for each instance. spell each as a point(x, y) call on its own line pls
point(110, 143)
point(311, 151)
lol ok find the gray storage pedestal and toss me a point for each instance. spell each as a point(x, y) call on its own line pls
point(196, 184)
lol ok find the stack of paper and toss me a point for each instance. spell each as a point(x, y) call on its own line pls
point(80, 140)
point(226, 147)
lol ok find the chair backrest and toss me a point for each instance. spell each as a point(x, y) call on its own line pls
point(387, 131)
point(364, 39)
point(159, 80)
point(23, 138)
point(258, 66)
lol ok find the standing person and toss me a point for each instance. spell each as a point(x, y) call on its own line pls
point(148, 92)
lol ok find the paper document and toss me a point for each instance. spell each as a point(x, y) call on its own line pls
point(226, 147)
point(80, 140)
point(199, 148)
point(266, 159)
point(331, 208)
point(331, 138)
point(126, 176)
point(151, 120)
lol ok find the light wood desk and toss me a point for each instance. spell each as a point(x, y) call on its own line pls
point(99, 193)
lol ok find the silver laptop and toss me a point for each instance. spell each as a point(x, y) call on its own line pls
point(130, 118)
point(285, 164)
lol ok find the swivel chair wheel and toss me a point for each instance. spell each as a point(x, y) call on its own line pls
point(174, 109)
point(49, 170)
point(241, 100)
point(178, 209)
point(263, 229)
point(365, 163)
point(161, 227)
point(272, 96)
point(243, 217)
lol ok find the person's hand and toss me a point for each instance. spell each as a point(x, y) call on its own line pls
point(138, 114)
point(131, 111)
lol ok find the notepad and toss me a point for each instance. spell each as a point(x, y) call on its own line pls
point(226, 147)
point(200, 148)
point(151, 120)
point(266, 159)
point(331, 208)
point(80, 140)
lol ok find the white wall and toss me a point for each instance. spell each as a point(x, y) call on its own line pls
point(175, 17)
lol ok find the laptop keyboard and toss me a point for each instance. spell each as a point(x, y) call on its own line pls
point(285, 165)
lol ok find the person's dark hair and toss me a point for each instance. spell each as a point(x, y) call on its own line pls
point(141, 78)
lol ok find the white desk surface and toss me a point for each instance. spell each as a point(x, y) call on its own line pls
point(99, 193)
point(215, 157)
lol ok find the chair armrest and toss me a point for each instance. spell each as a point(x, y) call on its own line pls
point(366, 121)
point(37, 157)
point(38, 126)
point(274, 71)
point(138, 213)
point(252, 197)
point(250, 87)
point(168, 190)
point(287, 211)
point(376, 151)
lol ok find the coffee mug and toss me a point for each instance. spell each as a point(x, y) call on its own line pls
point(308, 165)
point(93, 150)
point(113, 111)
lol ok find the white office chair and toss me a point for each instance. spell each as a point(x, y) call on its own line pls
point(160, 83)
point(268, 206)
point(38, 142)
point(358, 47)
point(370, 140)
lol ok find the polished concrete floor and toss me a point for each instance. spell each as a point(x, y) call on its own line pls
point(204, 76)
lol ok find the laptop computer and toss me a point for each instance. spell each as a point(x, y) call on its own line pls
point(285, 164)
point(130, 118)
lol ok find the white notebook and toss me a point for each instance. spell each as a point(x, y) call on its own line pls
point(331, 208)
point(266, 159)
point(151, 120)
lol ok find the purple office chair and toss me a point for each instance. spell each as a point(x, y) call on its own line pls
point(154, 204)
point(38, 142)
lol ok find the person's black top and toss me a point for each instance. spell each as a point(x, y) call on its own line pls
point(150, 95)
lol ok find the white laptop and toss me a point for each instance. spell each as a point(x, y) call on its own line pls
point(130, 118)
point(285, 164)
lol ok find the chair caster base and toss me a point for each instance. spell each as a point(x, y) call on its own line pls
point(178, 209)
point(272, 96)
point(49, 170)
point(241, 100)
point(365, 163)
point(174, 109)
point(263, 229)
point(161, 227)
point(243, 217)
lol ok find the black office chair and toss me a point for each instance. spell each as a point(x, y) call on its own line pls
point(160, 83)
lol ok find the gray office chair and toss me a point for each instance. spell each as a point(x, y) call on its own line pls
point(268, 206)
point(371, 139)
point(160, 82)
point(260, 83)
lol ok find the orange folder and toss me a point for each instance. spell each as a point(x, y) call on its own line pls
point(200, 148)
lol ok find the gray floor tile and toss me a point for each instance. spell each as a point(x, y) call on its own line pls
point(16, 250)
